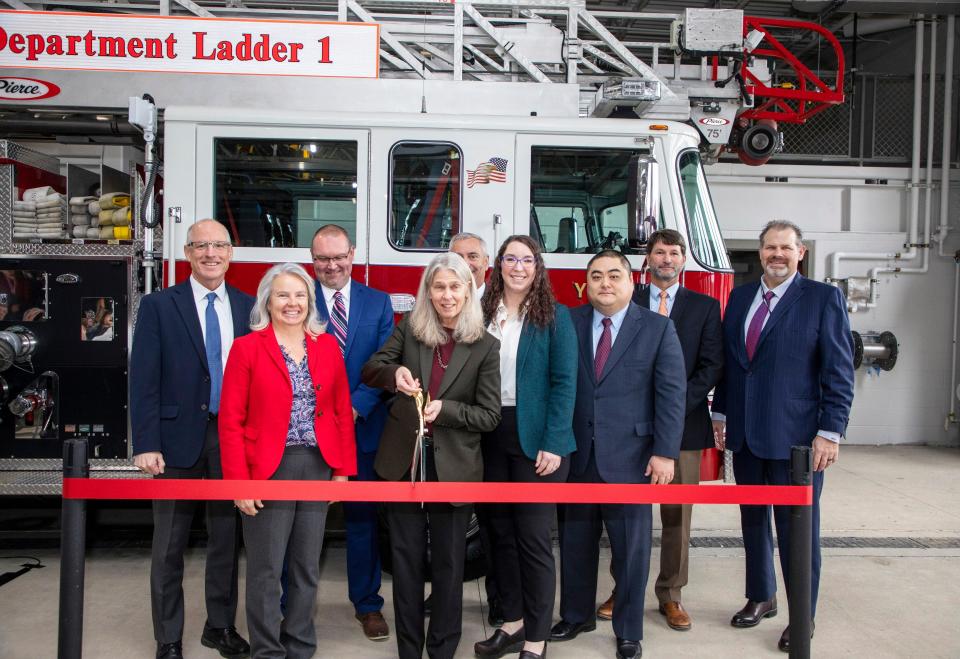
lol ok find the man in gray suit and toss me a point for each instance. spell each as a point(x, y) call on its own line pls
point(628, 422)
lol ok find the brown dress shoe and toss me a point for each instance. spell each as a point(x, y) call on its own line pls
point(753, 612)
point(374, 626)
point(677, 618)
point(605, 612)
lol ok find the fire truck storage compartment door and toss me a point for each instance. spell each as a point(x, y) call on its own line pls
point(82, 339)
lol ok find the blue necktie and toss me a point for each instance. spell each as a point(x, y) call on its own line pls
point(214, 353)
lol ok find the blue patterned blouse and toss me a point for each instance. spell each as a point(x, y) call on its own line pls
point(300, 432)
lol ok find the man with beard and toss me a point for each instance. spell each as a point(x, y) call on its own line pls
point(697, 320)
point(788, 381)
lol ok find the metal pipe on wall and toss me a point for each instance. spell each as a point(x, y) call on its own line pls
point(913, 218)
point(944, 226)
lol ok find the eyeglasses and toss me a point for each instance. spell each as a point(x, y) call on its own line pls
point(325, 260)
point(510, 261)
point(203, 245)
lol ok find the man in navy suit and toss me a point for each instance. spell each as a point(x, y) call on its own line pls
point(180, 348)
point(628, 422)
point(697, 321)
point(788, 382)
point(361, 319)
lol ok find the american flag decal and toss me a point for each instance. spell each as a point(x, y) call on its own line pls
point(494, 169)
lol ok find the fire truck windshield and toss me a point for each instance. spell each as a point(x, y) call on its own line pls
point(703, 230)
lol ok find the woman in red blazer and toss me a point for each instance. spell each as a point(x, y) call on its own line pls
point(285, 414)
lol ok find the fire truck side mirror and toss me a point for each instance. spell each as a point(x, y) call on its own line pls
point(643, 200)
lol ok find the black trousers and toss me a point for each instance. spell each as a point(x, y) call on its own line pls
point(171, 532)
point(410, 525)
point(521, 533)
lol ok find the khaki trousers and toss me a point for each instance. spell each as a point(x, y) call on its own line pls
point(675, 541)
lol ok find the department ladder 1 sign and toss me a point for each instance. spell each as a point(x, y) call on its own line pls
point(113, 42)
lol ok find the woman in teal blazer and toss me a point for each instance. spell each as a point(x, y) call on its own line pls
point(538, 380)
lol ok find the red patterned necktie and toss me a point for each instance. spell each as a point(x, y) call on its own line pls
point(603, 348)
point(756, 324)
point(339, 319)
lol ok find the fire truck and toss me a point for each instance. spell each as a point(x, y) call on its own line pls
point(531, 119)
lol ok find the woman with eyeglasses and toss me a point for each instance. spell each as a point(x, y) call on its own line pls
point(285, 414)
point(538, 379)
point(442, 353)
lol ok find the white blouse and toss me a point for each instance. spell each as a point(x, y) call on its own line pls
point(507, 328)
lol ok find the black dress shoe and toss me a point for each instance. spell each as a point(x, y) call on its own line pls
point(170, 650)
point(566, 631)
point(499, 644)
point(226, 641)
point(527, 654)
point(751, 614)
point(784, 644)
point(628, 649)
point(494, 613)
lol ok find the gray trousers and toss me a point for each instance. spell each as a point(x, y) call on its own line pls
point(294, 529)
point(171, 532)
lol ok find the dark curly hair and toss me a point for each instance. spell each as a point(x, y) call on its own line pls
point(539, 304)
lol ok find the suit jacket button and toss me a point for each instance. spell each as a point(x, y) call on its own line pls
point(319, 413)
point(590, 424)
point(206, 378)
point(318, 387)
point(204, 407)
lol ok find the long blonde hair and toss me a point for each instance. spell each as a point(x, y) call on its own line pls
point(424, 321)
point(260, 315)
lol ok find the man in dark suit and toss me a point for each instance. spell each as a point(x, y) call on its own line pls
point(361, 319)
point(788, 381)
point(628, 422)
point(180, 347)
point(697, 321)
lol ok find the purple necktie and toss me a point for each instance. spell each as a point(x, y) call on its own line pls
point(339, 320)
point(603, 348)
point(756, 324)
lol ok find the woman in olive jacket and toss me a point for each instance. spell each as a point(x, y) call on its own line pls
point(442, 352)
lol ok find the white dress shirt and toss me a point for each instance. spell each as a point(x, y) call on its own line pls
point(507, 328)
point(655, 297)
point(778, 293)
point(222, 306)
point(328, 294)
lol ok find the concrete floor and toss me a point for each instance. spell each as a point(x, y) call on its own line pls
point(874, 602)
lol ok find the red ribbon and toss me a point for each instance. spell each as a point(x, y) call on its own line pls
point(143, 488)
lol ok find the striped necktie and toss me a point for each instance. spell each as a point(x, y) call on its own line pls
point(338, 318)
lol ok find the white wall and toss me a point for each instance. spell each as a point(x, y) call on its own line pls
point(839, 212)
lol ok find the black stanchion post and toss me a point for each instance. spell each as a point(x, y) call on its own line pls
point(801, 559)
point(73, 540)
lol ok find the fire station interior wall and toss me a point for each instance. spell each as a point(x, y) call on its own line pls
point(839, 212)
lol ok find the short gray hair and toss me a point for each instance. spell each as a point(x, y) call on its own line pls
point(424, 321)
point(780, 225)
point(466, 235)
point(208, 219)
point(260, 316)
